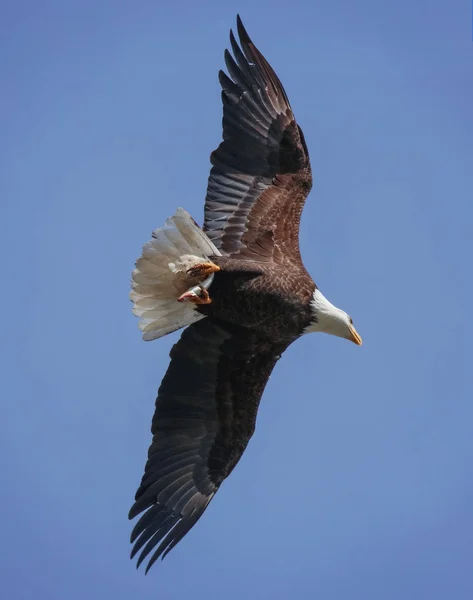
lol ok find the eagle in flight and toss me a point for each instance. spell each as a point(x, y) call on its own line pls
point(240, 289)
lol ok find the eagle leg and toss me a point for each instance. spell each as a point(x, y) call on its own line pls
point(196, 298)
point(202, 270)
point(199, 293)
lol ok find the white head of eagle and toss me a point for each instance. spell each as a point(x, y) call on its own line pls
point(330, 319)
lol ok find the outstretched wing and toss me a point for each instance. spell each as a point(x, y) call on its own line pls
point(261, 171)
point(205, 415)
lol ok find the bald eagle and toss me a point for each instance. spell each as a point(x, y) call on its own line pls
point(239, 287)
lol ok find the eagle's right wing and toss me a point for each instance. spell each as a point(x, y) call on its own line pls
point(261, 172)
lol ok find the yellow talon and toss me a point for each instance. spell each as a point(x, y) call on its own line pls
point(191, 296)
point(203, 270)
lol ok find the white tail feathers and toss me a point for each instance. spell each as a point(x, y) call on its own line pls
point(160, 275)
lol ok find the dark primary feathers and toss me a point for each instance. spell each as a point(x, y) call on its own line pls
point(205, 415)
point(261, 171)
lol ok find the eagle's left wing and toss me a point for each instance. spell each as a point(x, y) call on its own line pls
point(205, 416)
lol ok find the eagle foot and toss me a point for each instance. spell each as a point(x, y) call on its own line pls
point(203, 270)
point(196, 295)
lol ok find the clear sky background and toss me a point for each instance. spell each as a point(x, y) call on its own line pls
point(358, 482)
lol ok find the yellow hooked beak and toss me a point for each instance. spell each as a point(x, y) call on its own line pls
point(355, 336)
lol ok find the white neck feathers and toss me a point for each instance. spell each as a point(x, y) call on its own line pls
point(327, 317)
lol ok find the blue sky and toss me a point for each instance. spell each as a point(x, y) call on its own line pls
point(357, 483)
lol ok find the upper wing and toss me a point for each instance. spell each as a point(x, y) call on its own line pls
point(205, 415)
point(261, 171)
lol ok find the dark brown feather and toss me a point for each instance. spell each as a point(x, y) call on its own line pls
point(205, 416)
point(261, 172)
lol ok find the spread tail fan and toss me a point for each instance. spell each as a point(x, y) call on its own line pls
point(160, 275)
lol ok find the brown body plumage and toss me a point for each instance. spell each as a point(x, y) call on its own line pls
point(243, 290)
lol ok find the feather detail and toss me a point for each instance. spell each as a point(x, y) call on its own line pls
point(160, 275)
